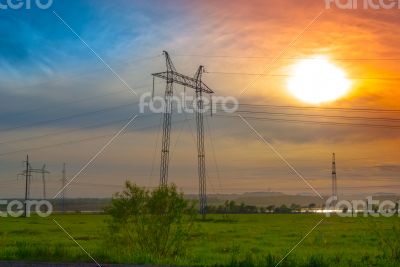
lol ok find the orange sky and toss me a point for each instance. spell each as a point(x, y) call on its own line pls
point(357, 41)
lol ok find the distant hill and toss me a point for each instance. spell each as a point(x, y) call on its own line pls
point(277, 199)
point(262, 194)
point(260, 199)
point(267, 199)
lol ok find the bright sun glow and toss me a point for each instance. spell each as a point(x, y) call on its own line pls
point(316, 81)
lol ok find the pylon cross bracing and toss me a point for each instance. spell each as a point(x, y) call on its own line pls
point(172, 76)
point(334, 178)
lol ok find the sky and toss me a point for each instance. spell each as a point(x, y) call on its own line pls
point(61, 100)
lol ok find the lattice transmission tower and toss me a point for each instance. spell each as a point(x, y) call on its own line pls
point(334, 180)
point(172, 76)
point(27, 173)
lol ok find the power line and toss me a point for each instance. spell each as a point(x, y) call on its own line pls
point(68, 117)
point(287, 75)
point(286, 58)
point(249, 117)
point(320, 116)
point(155, 152)
point(68, 131)
point(320, 108)
point(230, 187)
point(9, 181)
point(81, 73)
point(240, 111)
point(60, 132)
point(214, 154)
point(69, 103)
point(84, 140)
point(316, 122)
point(54, 145)
point(81, 100)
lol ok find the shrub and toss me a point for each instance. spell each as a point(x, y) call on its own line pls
point(153, 224)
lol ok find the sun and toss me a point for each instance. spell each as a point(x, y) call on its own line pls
point(316, 80)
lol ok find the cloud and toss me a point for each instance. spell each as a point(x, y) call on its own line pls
point(45, 65)
point(389, 167)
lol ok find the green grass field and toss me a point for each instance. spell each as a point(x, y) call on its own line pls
point(246, 240)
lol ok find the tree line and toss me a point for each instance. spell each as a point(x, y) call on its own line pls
point(231, 207)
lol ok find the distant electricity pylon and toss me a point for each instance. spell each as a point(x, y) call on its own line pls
point(172, 76)
point(44, 172)
point(28, 175)
point(334, 180)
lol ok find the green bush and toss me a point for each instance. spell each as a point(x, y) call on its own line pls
point(154, 224)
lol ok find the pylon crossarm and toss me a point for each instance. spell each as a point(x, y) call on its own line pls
point(184, 80)
point(199, 74)
point(39, 171)
point(170, 65)
point(172, 76)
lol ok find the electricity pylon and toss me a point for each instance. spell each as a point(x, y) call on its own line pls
point(169, 92)
point(28, 175)
point(44, 172)
point(196, 83)
point(334, 180)
point(200, 143)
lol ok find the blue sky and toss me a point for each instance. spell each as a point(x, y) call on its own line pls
point(35, 42)
point(44, 62)
point(48, 73)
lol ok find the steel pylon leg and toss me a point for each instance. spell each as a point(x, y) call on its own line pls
point(334, 179)
point(166, 134)
point(201, 154)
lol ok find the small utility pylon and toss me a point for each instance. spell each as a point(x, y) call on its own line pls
point(334, 180)
point(27, 184)
point(172, 76)
point(44, 172)
point(28, 175)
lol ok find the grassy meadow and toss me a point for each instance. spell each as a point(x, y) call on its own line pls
point(240, 240)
